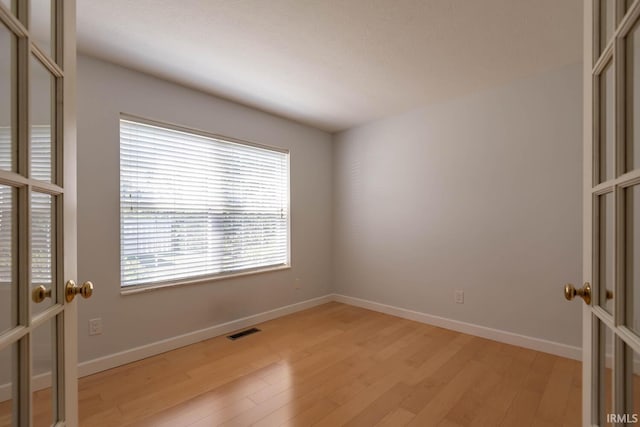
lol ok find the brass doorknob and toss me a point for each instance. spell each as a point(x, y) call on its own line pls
point(71, 290)
point(40, 293)
point(585, 292)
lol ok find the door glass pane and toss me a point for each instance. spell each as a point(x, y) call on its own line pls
point(633, 99)
point(632, 256)
point(10, 5)
point(43, 339)
point(6, 380)
point(42, 244)
point(605, 251)
point(41, 107)
point(7, 111)
point(605, 376)
point(40, 24)
point(607, 17)
point(8, 285)
point(633, 380)
point(606, 136)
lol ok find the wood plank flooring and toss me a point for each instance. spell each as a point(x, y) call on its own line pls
point(336, 365)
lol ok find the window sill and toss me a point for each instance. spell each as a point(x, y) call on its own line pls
point(137, 289)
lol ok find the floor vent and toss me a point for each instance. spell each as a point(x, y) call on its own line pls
point(243, 333)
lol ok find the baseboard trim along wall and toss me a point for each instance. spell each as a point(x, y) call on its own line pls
point(138, 353)
point(538, 344)
point(111, 361)
point(114, 360)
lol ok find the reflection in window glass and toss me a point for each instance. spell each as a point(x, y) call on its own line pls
point(633, 100)
point(41, 108)
point(7, 111)
point(44, 351)
point(40, 24)
point(607, 17)
point(606, 152)
point(6, 372)
point(42, 235)
point(8, 316)
point(605, 251)
point(632, 249)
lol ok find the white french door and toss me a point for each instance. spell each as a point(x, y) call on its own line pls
point(611, 319)
point(38, 354)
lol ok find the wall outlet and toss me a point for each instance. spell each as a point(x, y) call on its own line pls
point(95, 326)
point(298, 286)
point(458, 296)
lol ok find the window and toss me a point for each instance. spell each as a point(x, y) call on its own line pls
point(195, 206)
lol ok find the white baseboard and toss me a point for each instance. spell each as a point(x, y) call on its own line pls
point(538, 344)
point(117, 359)
point(38, 382)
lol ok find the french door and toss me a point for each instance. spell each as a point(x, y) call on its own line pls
point(38, 354)
point(611, 317)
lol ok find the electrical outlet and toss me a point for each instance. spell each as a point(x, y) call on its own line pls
point(458, 296)
point(95, 326)
point(297, 283)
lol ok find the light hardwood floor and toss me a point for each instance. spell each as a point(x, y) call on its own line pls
point(338, 365)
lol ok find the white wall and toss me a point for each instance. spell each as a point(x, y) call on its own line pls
point(482, 193)
point(105, 90)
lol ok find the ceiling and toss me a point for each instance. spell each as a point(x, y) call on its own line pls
point(334, 64)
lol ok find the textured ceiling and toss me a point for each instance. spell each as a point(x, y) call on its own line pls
point(334, 64)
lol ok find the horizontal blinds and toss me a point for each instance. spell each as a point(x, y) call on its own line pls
point(7, 209)
point(41, 152)
point(41, 208)
point(41, 238)
point(193, 206)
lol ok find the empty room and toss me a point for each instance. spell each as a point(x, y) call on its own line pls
point(319, 212)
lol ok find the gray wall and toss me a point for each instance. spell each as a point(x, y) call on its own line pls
point(105, 90)
point(482, 193)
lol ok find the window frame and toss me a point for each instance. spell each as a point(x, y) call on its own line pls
point(194, 280)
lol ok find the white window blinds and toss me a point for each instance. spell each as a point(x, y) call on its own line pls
point(41, 208)
point(7, 211)
point(193, 206)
